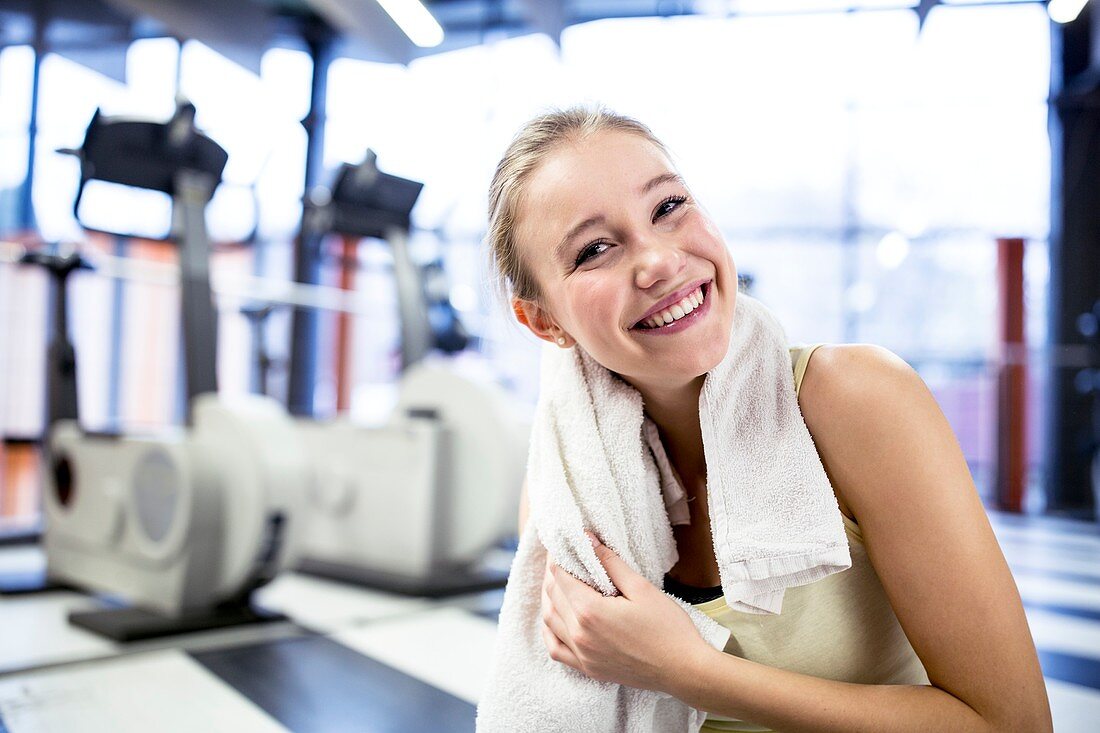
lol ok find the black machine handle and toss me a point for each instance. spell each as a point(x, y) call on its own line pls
point(175, 158)
point(61, 383)
point(146, 154)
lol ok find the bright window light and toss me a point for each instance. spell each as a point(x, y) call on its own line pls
point(892, 250)
point(415, 20)
point(1065, 11)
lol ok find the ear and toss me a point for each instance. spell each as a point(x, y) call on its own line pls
point(537, 319)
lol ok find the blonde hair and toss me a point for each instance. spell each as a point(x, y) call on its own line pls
point(531, 146)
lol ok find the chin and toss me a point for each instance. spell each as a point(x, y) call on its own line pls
point(714, 360)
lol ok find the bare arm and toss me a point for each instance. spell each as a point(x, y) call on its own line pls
point(887, 446)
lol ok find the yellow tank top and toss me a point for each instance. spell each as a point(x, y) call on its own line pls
point(840, 628)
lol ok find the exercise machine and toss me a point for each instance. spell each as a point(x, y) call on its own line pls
point(183, 525)
point(413, 505)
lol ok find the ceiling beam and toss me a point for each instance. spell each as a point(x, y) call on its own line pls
point(546, 16)
point(240, 31)
point(370, 33)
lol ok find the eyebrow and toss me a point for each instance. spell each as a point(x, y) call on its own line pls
point(592, 221)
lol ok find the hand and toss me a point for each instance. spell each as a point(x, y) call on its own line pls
point(641, 638)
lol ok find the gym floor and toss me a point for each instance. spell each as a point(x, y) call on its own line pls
point(350, 658)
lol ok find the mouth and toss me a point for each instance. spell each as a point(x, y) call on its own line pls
point(680, 315)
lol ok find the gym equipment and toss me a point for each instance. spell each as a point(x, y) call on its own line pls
point(183, 525)
point(413, 505)
point(448, 332)
point(61, 402)
point(262, 360)
point(61, 379)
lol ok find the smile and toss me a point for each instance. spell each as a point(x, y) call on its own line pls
point(679, 316)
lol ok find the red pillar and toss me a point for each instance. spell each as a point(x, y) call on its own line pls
point(349, 262)
point(1011, 469)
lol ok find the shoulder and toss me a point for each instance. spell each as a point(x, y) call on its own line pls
point(838, 374)
point(863, 404)
point(857, 383)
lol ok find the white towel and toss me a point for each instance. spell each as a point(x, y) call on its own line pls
point(775, 521)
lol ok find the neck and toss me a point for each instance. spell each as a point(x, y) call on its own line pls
point(675, 411)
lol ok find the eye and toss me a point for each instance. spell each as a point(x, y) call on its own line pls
point(590, 251)
point(667, 206)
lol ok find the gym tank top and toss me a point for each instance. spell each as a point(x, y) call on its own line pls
point(841, 627)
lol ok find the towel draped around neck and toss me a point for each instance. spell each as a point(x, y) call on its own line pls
point(596, 463)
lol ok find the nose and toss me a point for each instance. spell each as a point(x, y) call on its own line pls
point(658, 259)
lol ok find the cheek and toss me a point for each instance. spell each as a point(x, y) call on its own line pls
point(594, 303)
point(710, 238)
point(713, 247)
point(596, 300)
point(585, 301)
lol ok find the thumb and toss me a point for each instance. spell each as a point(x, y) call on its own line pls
point(625, 578)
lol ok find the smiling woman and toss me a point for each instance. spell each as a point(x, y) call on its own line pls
point(601, 246)
point(604, 236)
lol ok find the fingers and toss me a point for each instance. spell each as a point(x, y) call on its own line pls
point(556, 606)
point(559, 652)
point(547, 604)
point(553, 627)
point(553, 621)
point(558, 616)
point(560, 591)
point(625, 579)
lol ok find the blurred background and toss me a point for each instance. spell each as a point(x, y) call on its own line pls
point(861, 158)
point(920, 175)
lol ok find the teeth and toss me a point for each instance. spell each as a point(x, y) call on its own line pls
point(677, 311)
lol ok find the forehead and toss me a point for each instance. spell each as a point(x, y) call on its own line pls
point(585, 178)
point(607, 162)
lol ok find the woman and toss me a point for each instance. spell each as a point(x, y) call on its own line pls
point(595, 234)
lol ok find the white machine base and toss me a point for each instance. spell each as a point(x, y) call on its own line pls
point(416, 505)
point(135, 624)
point(440, 584)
